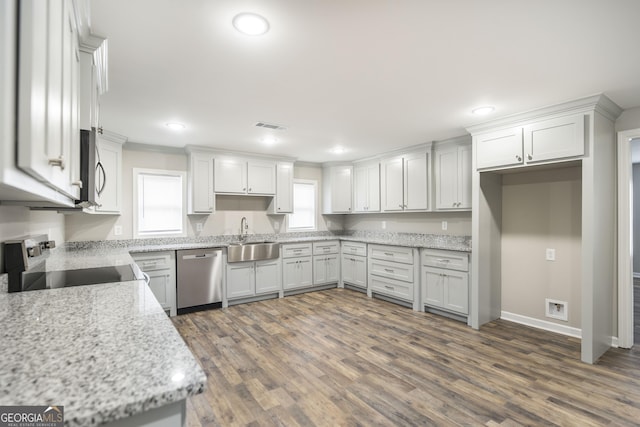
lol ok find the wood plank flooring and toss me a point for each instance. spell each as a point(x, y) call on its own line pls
point(338, 358)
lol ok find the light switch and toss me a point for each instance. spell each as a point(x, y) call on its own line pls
point(444, 225)
point(117, 230)
point(198, 226)
point(551, 254)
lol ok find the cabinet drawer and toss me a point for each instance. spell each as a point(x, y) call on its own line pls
point(153, 261)
point(328, 247)
point(392, 288)
point(296, 249)
point(391, 270)
point(354, 248)
point(391, 253)
point(445, 259)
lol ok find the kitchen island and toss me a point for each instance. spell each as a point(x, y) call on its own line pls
point(107, 353)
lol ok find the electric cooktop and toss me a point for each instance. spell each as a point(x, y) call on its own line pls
point(87, 276)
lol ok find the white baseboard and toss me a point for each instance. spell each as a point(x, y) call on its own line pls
point(548, 326)
point(542, 324)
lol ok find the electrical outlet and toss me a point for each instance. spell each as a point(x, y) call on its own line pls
point(117, 230)
point(556, 309)
point(198, 226)
point(550, 254)
point(444, 225)
point(384, 225)
point(329, 223)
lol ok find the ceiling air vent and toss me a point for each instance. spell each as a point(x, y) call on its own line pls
point(270, 126)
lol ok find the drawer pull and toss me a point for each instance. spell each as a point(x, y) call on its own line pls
point(389, 287)
point(388, 254)
point(388, 270)
point(443, 260)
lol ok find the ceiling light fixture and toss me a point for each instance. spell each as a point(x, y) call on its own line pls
point(483, 111)
point(339, 150)
point(251, 24)
point(269, 140)
point(175, 126)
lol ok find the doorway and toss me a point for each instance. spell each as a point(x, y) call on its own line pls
point(627, 141)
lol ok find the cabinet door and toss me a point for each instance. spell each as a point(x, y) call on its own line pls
point(332, 265)
point(201, 195)
point(433, 288)
point(360, 189)
point(554, 139)
point(373, 188)
point(464, 176)
point(348, 273)
point(110, 198)
point(261, 177)
point(446, 171)
point(297, 273)
point(499, 149)
point(230, 175)
point(456, 292)
point(341, 189)
point(392, 193)
point(359, 271)
point(160, 284)
point(284, 188)
point(70, 101)
point(268, 276)
point(240, 280)
point(416, 172)
point(319, 270)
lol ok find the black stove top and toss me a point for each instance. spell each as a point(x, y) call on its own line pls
point(87, 276)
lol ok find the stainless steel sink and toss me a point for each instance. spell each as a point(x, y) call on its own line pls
point(252, 251)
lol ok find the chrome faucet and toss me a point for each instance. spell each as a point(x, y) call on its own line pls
point(244, 228)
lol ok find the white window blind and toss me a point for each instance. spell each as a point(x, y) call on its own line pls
point(160, 203)
point(304, 206)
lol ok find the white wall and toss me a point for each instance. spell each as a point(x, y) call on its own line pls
point(17, 221)
point(629, 119)
point(226, 220)
point(458, 223)
point(541, 210)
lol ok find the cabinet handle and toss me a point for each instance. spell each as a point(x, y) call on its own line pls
point(249, 188)
point(400, 206)
point(389, 287)
point(58, 162)
point(388, 270)
point(244, 188)
point(529, 157)
point(518, 158)
point(388, 254)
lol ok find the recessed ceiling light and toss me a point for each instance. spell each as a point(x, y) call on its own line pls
point(269, 140)
point(175, 126)
point(339, 150)
point(483, 111)
point(251, 24)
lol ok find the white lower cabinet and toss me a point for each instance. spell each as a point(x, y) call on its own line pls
point(161, 269)
point(297, 273)
point(325, 269)
point(354, 264)
point(392, 273)
point(445, 281)
point(247, 279)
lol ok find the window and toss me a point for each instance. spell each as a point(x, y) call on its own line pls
point(303, 217)
point(159, 203)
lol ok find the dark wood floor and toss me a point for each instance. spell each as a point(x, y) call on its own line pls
point(336, 358)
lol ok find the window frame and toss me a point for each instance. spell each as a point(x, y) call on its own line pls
point(136, 205)
point(314, 183)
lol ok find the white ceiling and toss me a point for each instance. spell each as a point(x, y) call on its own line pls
point(369, 75)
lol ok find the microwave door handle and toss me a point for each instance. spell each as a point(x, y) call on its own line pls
point(100, 168)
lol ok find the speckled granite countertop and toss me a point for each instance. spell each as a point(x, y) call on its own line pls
point(105, 352)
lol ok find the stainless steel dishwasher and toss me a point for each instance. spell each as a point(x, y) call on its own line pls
point(199, 278)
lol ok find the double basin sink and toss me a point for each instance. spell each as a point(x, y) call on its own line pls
point(252, 251)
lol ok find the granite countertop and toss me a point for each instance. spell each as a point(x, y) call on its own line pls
point(105, 352)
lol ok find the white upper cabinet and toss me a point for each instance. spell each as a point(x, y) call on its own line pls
point(49, 65)
point(200, 197)
point(366, 188)
point(554, 139)
point(230, 175)
point(453, 174)
point(544, 141)
point(404, 182)
point(242, 176)
point(336, 183)
point(261, 177)
point(282, 203)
